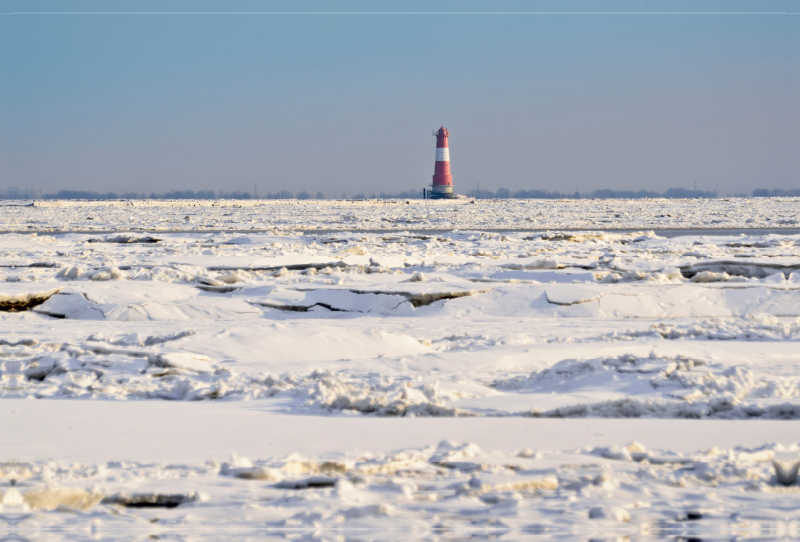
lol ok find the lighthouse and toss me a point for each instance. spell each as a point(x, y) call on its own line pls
point(442, 186)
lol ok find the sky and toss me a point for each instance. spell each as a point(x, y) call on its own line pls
point(342, 96)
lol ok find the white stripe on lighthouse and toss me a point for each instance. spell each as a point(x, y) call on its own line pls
point(442, 155)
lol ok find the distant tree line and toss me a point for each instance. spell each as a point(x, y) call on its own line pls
point(502, 193)
point(175, 194)
point(776, 193)
point(674, 193)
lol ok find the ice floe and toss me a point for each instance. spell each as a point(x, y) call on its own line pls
point(263, 307)
point(452, 489)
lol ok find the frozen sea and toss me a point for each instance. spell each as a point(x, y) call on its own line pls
point(400, 370)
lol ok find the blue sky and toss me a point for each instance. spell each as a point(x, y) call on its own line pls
point(346, 103)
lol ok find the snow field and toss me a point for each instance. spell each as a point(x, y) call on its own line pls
point(367, 316)
point(446, 491)
point(491, 328)
point(187, 215)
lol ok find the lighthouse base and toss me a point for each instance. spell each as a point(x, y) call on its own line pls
point(442, 191)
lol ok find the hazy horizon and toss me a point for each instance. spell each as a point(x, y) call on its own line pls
point(17, 193)
point(345, 103)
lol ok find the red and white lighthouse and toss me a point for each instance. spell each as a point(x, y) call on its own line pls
point(442, 186)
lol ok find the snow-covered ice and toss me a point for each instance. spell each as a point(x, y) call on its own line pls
point(510, 214)
point(550, 383)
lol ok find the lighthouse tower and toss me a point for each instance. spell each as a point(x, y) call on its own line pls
point(442, 186)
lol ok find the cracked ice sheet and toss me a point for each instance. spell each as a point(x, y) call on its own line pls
point(564, 324)
point(397, 367)
point(322, 309)
point(428, 479)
